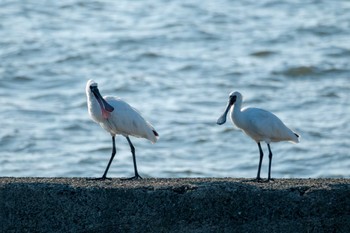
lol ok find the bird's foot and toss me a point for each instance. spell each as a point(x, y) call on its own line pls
point(100, 178)
point(259, 180)
point(136, 177)
point(270, 179)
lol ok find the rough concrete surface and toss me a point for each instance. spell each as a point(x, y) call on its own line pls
point(174, 205)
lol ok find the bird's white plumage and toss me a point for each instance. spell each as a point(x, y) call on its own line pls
point(260, 124)
point(118, 117)
point(124, 119)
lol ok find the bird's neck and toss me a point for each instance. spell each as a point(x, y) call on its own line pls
point(236, 113)
point(237, 108)
point(94, 108)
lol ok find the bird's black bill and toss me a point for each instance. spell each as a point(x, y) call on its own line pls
point(101, 100)
point(222, 118)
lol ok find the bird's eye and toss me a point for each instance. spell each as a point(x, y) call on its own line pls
point(233, 99)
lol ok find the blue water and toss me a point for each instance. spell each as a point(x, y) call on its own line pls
point(176, 62)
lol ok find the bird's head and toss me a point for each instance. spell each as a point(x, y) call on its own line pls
point(93, 92)
point(90, 84)
point(231, 101)
point(233, 97)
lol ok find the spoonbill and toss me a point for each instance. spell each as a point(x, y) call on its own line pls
point(258, 124)
point(118, 117)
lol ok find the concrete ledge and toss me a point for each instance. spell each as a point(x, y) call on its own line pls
point(174, 205)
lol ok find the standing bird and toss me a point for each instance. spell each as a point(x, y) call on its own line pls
point(258, 124)
point(118, 117)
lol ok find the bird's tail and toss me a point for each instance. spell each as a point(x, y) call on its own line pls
point(153, 135)
point(296, 137)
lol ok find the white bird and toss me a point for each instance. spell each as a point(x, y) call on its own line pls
point(118, 117)
point(258, 124)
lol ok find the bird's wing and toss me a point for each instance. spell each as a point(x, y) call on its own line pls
point(127, 120)
point(268, 126)
point(259, 121)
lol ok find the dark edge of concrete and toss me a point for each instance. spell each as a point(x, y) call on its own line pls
point(174, 205)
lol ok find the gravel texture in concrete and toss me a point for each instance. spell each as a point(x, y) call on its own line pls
point(174, 205)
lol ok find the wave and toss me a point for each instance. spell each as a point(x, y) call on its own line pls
point(262, 53)
point(309, 71)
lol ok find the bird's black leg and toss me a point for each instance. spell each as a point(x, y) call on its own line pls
point(260, 162)
point(270, 161)
point(114, 150)
point(137, 176)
